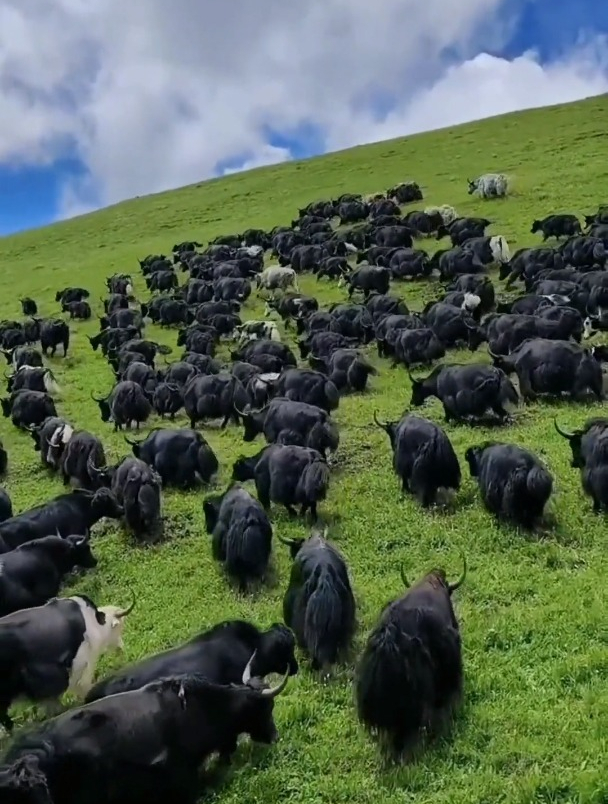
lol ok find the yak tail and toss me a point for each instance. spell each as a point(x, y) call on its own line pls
point(539, 483)
point(435, 466)
point(314, 482)
point(329, 616)
point(394, 685)
point(332, 395)
point(247, 546)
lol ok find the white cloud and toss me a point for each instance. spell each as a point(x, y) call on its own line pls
point(154, 94)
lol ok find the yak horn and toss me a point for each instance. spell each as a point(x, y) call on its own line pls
point(378, 422)
point(94, 468)
point(563, 433)
point(125, 612)
point(94, 398)
point(283, 540)
point(406, 583)
point(494, 356)
point(247, 671)
point(56, 437)
point(274, 691)
point(452, 587)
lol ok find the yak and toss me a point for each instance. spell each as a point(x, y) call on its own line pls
point(409, 677)
point(241, 534)
point(467, 391)
point(423, 457)
point(514, 484)
point(319, 604)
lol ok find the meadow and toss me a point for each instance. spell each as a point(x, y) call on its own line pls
point(533, 611)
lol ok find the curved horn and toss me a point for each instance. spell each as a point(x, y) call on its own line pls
point(467, 325)
point(274, 691)
point(133, 443)
point(378, 422)
point(247, 671)
point(94, 398)
point(452, 587)
point(7, 376)
point(563, 433)
point(56, 437)
point(406, 583)
point(283, 540)
point(492, 355)
point(94, 468)
point(125, 612)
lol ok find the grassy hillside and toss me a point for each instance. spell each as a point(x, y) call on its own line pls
point(532, 612)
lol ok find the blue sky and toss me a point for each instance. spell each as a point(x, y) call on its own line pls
point(32, 195)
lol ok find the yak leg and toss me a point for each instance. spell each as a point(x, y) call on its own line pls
point(290, 510)
point(5, 719)
point(225, 421)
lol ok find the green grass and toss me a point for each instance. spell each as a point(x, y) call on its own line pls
point(532, 612)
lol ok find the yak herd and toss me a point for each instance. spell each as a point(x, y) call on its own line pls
point(142, 734)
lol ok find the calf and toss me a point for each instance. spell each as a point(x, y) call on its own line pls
point(514, 484)
point(241, 534)
point(77, 309)
point(319, 604)
point(409, 677)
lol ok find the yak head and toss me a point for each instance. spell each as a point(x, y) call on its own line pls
point(423, 389)
point(104, 407)
point(80, 553)
point(104, 504)
point(7, 406)
point(600, 425)
point(390, 428)
point(211, 509)
point(275, 653)
point(244, 468)
point(472, 185)
point(295, 545)
point(253, 421)
point(475, 334)
point(111, 620)
point(96, 340)
point(473, 455)
point(437, 579)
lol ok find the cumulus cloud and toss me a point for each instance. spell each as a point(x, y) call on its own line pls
point(152, 95)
